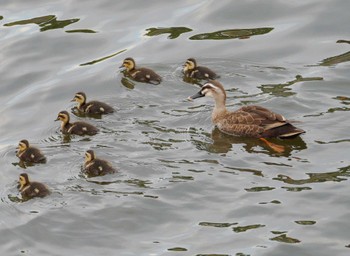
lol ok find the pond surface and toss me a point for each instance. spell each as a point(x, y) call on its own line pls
point(183, 187)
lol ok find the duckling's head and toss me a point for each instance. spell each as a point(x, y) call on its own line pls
point(23, 180)
point(190, 64)
point(89, 156)
point(22, 145)
point(128, 64)
point(63, 116)
point(213, 89)
point(80, 97)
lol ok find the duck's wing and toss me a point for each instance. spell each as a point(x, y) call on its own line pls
point(273, 124)
point(251, 121)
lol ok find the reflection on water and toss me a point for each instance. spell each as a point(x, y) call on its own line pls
point(285, 239)
point(102, 59)
point(331, 61)
point(240, 229)
point(305, 222)
point(44, 22)
point(231, 34)
point(173, 31)
point(223, 143)
point(318, 177)
point(216, 225)
point(80, 31)
point(283, 89)
point(177, 249)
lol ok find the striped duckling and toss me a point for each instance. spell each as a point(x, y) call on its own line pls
point(191, 70)
point(250, 121)
point(96, 167)
point(29, 154)
point(30, 189)
point(144, 75)
point(92, 107)
point(77, 128)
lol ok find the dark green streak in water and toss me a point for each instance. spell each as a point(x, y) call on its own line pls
point(331, 61)
point(305, 222)
point(173, 31)
point(177, 249)
point(216, 225)
point(44, 22)
point(231, 34)
point(283, 89)
point(81, 31)
point(246, 228)
point(285, 239)
point(102, 59)
point(318, 177)
point(259, 189)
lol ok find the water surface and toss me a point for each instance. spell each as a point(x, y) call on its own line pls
point(183, 187)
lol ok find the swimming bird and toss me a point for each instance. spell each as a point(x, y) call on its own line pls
point(78, 128)
point(96, 167)
point(251, 121)
point(31, 189)
point(191, 70)
point(144, 75)
point(30, 154)
point(92, 107)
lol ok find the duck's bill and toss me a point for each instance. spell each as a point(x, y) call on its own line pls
point(121, 68)
point(197, 95)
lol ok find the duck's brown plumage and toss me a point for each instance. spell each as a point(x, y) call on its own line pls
point(30, 189)
point(95, 166)
point(28, 153)
point(77, 128)
point(251, 121)
point(91, 107)
point(197, 72)
point(144, 75)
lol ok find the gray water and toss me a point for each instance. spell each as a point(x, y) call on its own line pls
point(183, 187)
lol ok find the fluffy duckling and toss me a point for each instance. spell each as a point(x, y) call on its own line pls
point(250, 121)
point(78, 128)
point(144, 75)
point(31, 189)
point(190, 69)
point(96, 167)
point(92, 107)
point(29, 154)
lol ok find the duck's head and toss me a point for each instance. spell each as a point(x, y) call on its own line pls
point(213, 89)
point(22, 145)
point(89, 156)
point(80, 97)
point(63, 116)
point(23, 180)
point(190, 64)
point(128, 64)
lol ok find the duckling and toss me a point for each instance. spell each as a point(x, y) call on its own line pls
point(144, 75)
point(29, 154)
point(250, 121)
point(92, 107)
point(78, 128)
point(31, 189)
point(190, 69)
point(96, 167)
